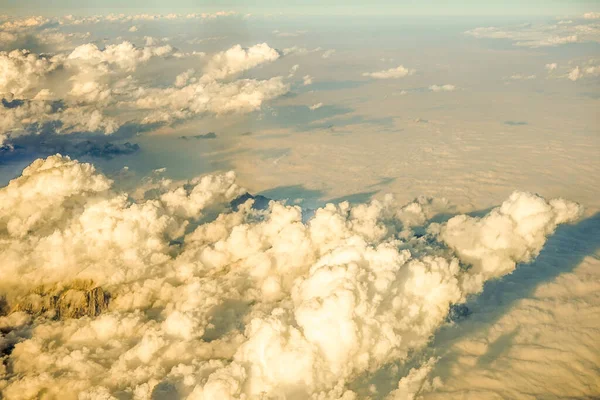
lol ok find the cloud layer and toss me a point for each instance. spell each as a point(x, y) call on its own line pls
point(207, 302)
point(81, 90)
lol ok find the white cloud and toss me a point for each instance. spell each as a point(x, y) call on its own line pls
point(125, 55)
point(307, 80)
point(316, 106)
point(238, 59)
point(91, 82)
point(20, 24)
point(521, 77)
point(551, 67)
point(542, 35)
point(293, 70)
point(416, 383)
point(575, 74)
point(21, 71)
point(592, 15)
point(328, 53)
point(185, 77)
point(392, 73)
point(442, 88)
point(217, 310)
point(241, 96)
point(133, 29)
point(585, 71)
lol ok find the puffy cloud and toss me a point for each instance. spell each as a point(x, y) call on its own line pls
point(185, 77)
point(125, 55)
point(307, 80)
point(575, 74)
point(21, 71)
point(96, 82)
point(241, 96)
point(94, 77)
point(316, 106)
point(237, 59)
point(19, 24)
point(579, 72)
point(207, 302)
point(551, 67)
point(416, 383)
point(392, 73)
point(442, 88)
point(514, 232)
point(591, 15)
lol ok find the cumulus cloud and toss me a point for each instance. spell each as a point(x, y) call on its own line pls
point(91, 82)
point(207, 302)
point(316, 106)
point(442, 88)
point(416, 383)
point(92, 78)
point(241, 96)
point(21, 71)
point(237, 59)
point(307, 80)
point(551, 67)
point(392, 73)
point(578, 72)
point(575, 74)
point(592, 15)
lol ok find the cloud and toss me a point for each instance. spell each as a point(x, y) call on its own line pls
point(208, 302)
point(238, 59)
point(307, 80)
point(328, 53)
point(240, 96)
point(92, 83)
point(575, 74)
point(442, 88)
point(25, 23)
point(540, 343)
point(589, 70)
point(209, 135)
point(316, 106)
point(416, 383)
point(91, 73)
point(288, 34)
point(551, 67)
point(591, 15)
point(293, 70)
point(21, 71)
point(125, 55)
point(392, 73)
point(520, 228)
point(541, 34)
point(521, 77)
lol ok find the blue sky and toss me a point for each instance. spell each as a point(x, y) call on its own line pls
point(358, 7)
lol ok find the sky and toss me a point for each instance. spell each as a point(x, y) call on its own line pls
point(232, 201)
point(313, 7)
